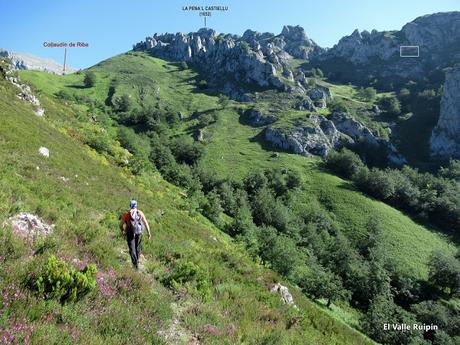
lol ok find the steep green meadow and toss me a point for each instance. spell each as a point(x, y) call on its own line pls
point(232, 150)
point(221, 297)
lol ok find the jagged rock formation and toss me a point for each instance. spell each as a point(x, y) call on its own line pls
point(28, 225)
point(445, 139)
point(25, 93)
point(21, 61)
point(258, 59)
point(291, 42)
point(318, 135)
point(437, 35)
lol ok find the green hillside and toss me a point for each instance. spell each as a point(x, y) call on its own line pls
point(154, 108)
point(236, 149)
point(218, 294)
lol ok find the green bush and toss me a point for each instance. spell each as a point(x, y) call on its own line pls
point(345, 162)
point(337, 105)
point(90, 79)
point(123, 103)
point(203, 84)
point(367, 94)
point(445, 272)
point(189, 275)
point(65, 95)
point(61, 281)
point(391, 105)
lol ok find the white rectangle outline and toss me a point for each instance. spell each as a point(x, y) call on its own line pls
point(409, 56)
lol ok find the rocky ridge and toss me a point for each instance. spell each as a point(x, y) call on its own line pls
point(445, 138)
point(257, 59)
point(23, 61)
point(437, 35)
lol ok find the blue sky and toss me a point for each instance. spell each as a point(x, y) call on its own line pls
point(112, 26)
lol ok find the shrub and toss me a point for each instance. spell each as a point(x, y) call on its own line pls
point(90, 79)
point(379, 184)
point(61, 281)
point(213, 209)
point(445, 272)
point(207, 119)
point(337, 105)
point(202, 84)
point(189, 275)
point(322, 283)
point(391, 105)
point(223, 101)
point(64, 95)
point(345, 162)
point(185, 150)
point(122, 103)
point(367, 94)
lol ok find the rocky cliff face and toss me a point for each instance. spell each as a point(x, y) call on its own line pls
point(318, 135)
point(445, 139)
point(258, 59)
point(21, 61)
point(437, 35)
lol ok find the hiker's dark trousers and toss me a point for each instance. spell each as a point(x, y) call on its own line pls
point(134, 244)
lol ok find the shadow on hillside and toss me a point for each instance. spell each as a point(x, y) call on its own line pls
point(80, 87)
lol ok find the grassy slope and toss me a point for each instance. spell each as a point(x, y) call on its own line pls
point(85, 211)
point(236, 149)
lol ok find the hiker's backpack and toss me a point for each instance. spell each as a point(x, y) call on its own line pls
point(135, 222)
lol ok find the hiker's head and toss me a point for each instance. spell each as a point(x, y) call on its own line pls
point(133, 204)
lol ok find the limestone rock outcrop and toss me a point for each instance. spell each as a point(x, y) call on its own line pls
point(28, 225)
point(445, 138)
point(378, 53)
point(318, 135)
point(258, 59)
point(25, 93)
point(23, 61)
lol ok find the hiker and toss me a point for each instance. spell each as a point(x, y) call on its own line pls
point(135, 223)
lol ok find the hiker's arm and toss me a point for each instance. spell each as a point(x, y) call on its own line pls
point(122, 223)
point(146, 223)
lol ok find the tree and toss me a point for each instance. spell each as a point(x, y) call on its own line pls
point(213, 209)
point(223, 101)
point(90, 79)
point(444, 272)
point(345, 162)
point(244, 45)
point(323, 283)
point(123, 103)
point(185, 150)
point(379, 184)
point(202, 84)
point(383, 311)
point(391, 105)
point(337, 105)
point(367, 94)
